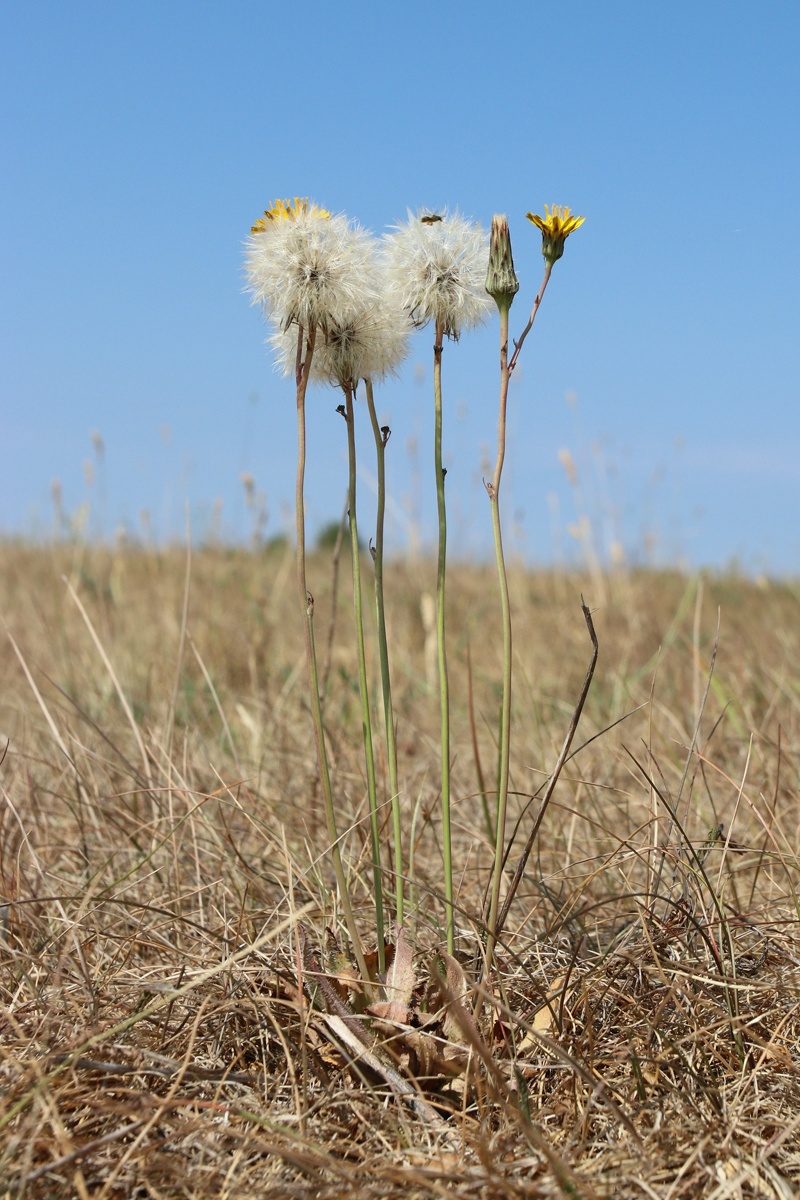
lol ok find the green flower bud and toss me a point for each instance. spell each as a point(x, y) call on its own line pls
point(501, 279)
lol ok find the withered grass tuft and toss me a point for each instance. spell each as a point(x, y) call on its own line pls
point(178, 1018)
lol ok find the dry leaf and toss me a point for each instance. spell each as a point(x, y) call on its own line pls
point(399, 981)
point(400, 1086)
point(432, 1058)
point(372, 960)
point(456, 1015)
point(542, 1020)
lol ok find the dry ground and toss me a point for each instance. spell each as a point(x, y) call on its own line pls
point(163, 858)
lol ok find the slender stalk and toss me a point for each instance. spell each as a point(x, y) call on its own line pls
point(487, 816)
point(305, 351)
point(366, 720)
point(493, 489)
point(444, 687)
point(506, 368)
point(518, 344)
point(381, 438)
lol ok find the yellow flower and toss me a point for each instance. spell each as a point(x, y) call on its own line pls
point(556, 226)
point(287, 210)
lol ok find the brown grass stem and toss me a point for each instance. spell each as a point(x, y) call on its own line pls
point(126, 708)
point(551, 786)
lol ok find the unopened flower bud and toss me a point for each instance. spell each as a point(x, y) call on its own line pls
point(501, 279)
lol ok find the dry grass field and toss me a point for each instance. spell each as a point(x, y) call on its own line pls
point(179, 1012)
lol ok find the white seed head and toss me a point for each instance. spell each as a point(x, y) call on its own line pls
point(437, 266)
point(309, 270)
point(370, 344)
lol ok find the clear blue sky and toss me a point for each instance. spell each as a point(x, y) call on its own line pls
point(139, 141)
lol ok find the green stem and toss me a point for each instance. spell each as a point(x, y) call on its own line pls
point(444, 687)
point(381, 438)
point(505, 713)
point(493, 488)
point(366, 720)
point(305, 351)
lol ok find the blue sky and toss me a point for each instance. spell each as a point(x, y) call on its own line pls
point(140, 141)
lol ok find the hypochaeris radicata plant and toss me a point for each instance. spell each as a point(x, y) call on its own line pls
point(342, 305)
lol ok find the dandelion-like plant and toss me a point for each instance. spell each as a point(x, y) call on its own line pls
point(368, 344)
point(437, 266)
point(308, 270)
point(502, 285)
point(372, 346)
point(306, 267)
point(341, 313)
